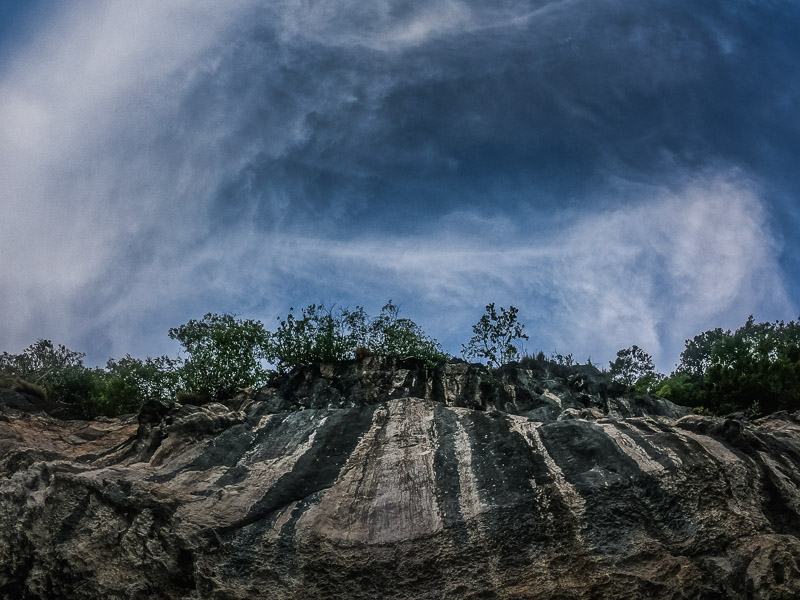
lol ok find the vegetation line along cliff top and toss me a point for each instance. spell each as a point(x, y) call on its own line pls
point(755, 369)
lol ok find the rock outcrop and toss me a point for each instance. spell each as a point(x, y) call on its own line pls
point(385, 479)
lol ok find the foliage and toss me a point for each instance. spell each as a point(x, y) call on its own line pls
point(126, 384)
point(321, 334)
point(756, 368)
point(73, 385)
point(560, 359)
point(318, 335)
point(631, 366)
point(57, 369)
point(225, 353)
point(759, 362)
point(390, 335)
point(58, 374)
point(41, 362)
point(494, 337)
point(649, 383)
point(681, 388)
point(696, 357)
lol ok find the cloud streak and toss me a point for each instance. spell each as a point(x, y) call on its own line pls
point(653, 275)
point(591, 162)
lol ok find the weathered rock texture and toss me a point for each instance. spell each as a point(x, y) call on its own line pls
point(382, 479)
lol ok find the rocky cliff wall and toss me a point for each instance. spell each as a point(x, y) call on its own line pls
point(383, 479)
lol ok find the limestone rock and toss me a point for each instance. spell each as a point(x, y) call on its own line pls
point(385, 479)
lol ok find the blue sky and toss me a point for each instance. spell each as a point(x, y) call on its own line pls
point(622, 172)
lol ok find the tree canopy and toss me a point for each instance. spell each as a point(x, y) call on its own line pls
point(495, 336)
point(754, 368)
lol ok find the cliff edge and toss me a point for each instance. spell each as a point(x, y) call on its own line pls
point(383, 478)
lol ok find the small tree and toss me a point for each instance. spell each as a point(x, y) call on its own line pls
point(321, 334)
point(391, 335)
point(54, 367)
point(495, 336)
point(225, 354)
point(632, 365)
point(41, 362)
point(697, 356)
point(127, 383)
point(318, 335)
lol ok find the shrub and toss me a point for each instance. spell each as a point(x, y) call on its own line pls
point(321, 334)
point(41, 362)
point(649, 383)
point(494, 337)
point(57, 369)
point(225, 353)
point(758, 365)
point(390, 335)
point(696, 356)
point(560, 359)
point(72, 385)
point(126, 384)
point(318, 335)
point(632, 365)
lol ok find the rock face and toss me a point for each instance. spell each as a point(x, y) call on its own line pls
point(383, 479)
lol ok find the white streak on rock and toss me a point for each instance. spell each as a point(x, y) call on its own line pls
point(385, 492)
point(553, 397)
point(233, 502)
point(529, 432)
point(656, 436)
point(469, 501)
point(736, 473)
point(712, 446)
point(631, 448)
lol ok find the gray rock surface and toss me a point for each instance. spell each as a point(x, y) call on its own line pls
point(384, 479)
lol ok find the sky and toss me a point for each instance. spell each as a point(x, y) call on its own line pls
point(622, 172)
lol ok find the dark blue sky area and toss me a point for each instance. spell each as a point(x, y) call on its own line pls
point(18, 21)
point(623, 173)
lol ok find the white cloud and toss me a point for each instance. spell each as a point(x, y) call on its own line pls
point(653, 273)
point(119, 125)
point(84, 113)
point(381, 25)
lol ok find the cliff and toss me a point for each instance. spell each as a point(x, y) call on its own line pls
point(384, 479)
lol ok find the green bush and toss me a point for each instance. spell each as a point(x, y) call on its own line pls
point(126, 384)
point(390, 335)
point(631, 366)
point(322, 334)
point(759, 362)
point(225, 354)
point(57, 369)
point(495, 336)
point(649, 383)
point(41, 362)
point(755, 368)
point(682, 388)
point(318, 335)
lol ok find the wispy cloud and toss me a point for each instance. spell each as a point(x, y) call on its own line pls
point(673, 264)
point(576, 159)
point(655, 273)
